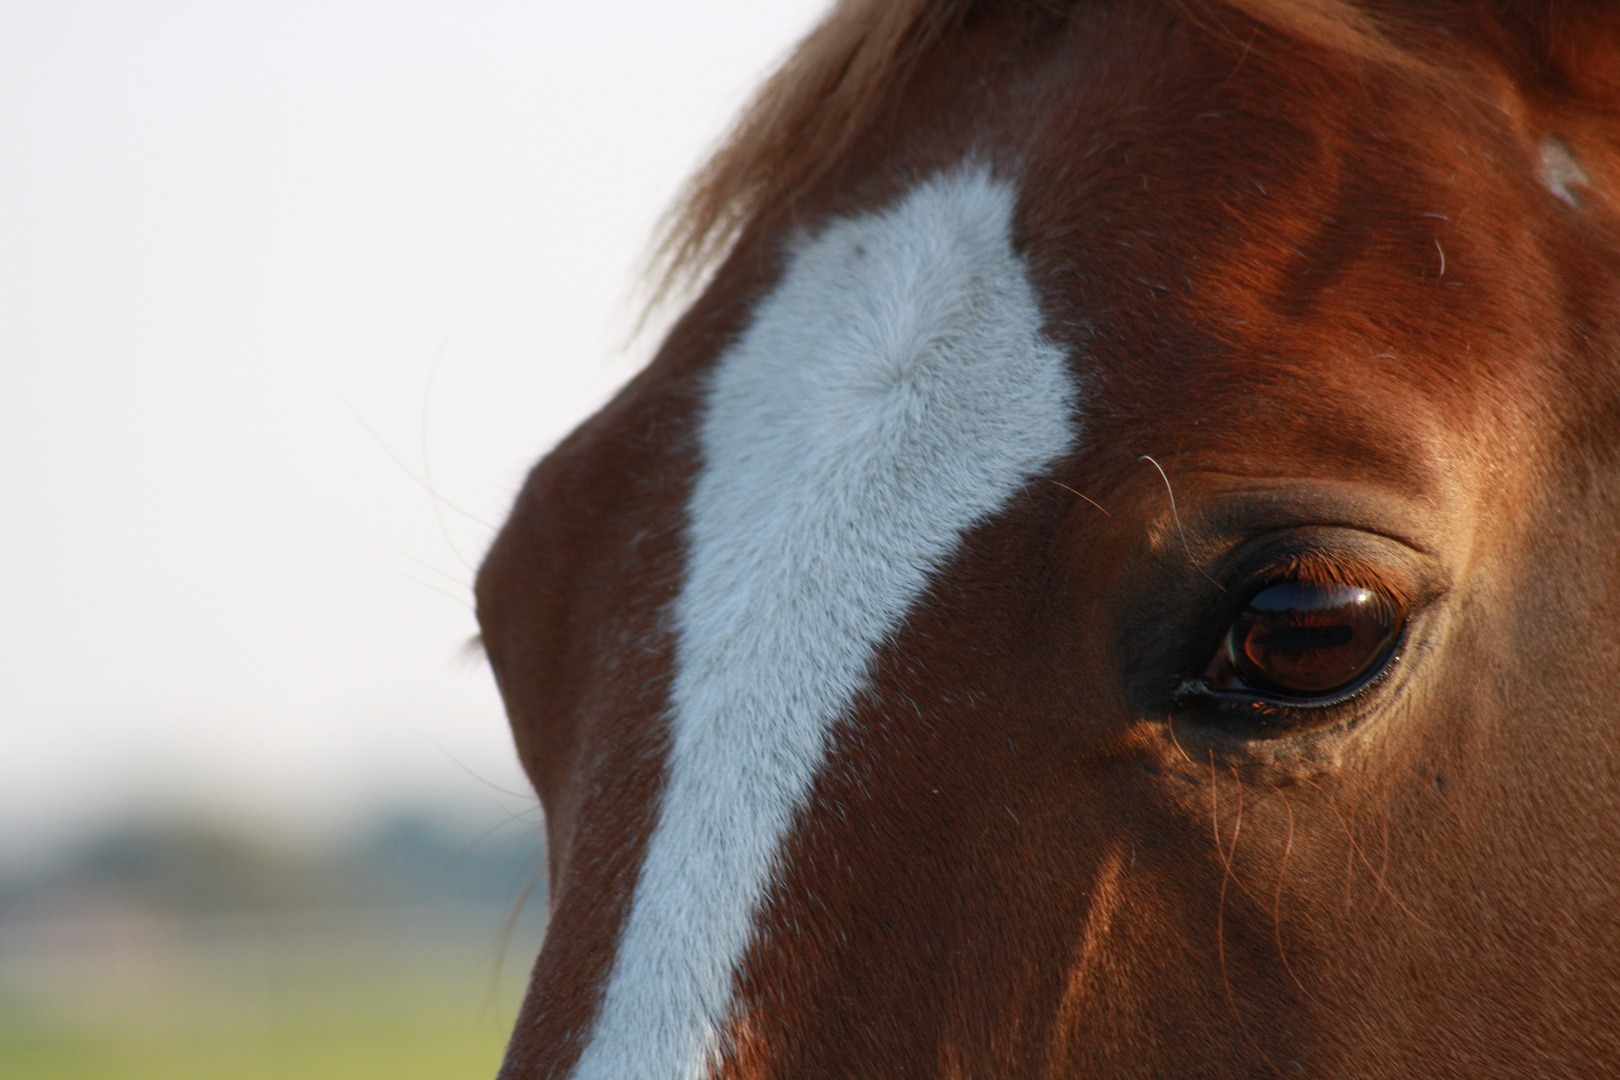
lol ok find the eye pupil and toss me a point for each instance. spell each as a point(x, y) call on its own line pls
point(1302, 638)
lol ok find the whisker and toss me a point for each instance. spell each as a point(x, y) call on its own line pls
point(1356, 853)
point(504, 942)
point(1170, 722)
point(425, 565)
point(527, 797)
point(1276, 900)
point(1176, 516)
point(1088, 498)
point(408, 471)
point(1228, 877)
point(430, 587)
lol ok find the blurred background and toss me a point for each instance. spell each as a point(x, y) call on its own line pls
point(291, 297)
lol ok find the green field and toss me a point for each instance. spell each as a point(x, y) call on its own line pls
point(425, 1045)
point(314, 996)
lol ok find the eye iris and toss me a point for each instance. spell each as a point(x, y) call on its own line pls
point(1307, 638)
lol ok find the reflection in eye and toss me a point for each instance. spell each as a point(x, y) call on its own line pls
point(1303, 639)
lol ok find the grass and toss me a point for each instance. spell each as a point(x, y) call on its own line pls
point(422, 1047)
point(341, 996)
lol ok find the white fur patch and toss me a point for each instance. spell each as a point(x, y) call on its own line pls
point(1559, 169)
point(894, 390)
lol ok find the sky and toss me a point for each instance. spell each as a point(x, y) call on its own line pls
point(292, 295)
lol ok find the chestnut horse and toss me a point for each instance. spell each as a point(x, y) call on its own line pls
point(1117, 574)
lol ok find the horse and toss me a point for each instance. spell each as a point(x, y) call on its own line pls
point(1114, 573)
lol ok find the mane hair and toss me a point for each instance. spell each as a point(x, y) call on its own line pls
point(854, 62)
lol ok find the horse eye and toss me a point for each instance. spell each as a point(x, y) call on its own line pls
point(1302, 639)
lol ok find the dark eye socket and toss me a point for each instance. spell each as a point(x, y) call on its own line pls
point(1303, 640)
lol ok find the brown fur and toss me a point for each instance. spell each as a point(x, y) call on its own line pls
point(1027, 856)
point(851, 66)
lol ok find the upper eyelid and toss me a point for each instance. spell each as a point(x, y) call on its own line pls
point(1330, 563)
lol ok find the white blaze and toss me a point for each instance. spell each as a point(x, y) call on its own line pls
point(894, 390)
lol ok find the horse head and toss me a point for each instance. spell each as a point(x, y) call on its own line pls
point(1115, 574)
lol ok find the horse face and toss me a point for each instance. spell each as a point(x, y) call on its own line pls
point(1128, 588)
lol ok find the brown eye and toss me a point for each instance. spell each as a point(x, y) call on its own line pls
point(1305, 639)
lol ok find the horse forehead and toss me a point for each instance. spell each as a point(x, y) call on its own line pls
point(1218, 244)
point(893, 390)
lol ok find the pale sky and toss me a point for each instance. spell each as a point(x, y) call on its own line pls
point(268, 270)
